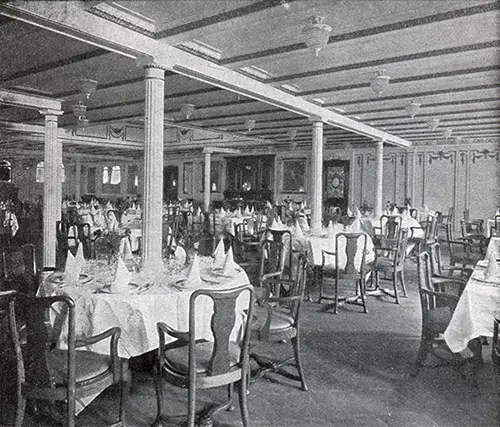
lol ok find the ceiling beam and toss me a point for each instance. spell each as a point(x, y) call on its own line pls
point(68, 18)
point(34, 102)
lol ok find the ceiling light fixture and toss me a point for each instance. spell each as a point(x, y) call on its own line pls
point(79, 110)
point(433, 124)
point(316, 33)
point(249, 124)
point(447, 133)
point(292, 133)
point(412, 108)
point(87, 87)
point(380, 83)
point(187, 110)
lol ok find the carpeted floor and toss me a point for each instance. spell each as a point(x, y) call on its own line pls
point(356, 368)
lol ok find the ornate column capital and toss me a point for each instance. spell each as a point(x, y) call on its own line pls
point(316, 120)
point(47, 112)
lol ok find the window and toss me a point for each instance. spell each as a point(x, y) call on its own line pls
point(132, 179)
point(215, 167)
point(111, 178)
point(294, 176)
point(5, 171)
point(40, 168)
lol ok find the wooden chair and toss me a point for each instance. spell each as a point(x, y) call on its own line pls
point(56, 375)
point(19, 271)
point(462, 252)
point(390, 257)
point(437, 308)
point(347, 246)
point(193, 363)
point(62, 243)
point(389, 227)
point(440, 271)
point(431, 228)
point(285, 249)
point(85, 238)
point(495, 357)
point(473, 232)
point(278, 319)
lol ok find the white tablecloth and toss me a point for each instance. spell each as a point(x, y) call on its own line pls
point(137, 313)
point(475, 311)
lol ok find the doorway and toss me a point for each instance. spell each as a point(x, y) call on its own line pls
point(170, 183)
point(336, 184)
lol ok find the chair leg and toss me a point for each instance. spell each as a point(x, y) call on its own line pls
point(362, 290)
point(336, 297)
point(296, 350)
point(230, 392)
point(403, 284)
point(20, 411)
point(242, 395)
point(191, 422)
point(423, 351)
point(159, 398)
point(395, 286)
point(70, 405)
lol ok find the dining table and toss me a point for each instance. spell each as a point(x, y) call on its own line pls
point(149, 298)
point(474, 314)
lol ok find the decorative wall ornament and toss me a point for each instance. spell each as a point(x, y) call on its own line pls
point(187, 110)
point(316, 33)
point(184, 135)
point(359, 160)
point(412, 108)
point(485, 154)
point(441, 155)
point(433, 124)
point(463, 155)
point(249, 124)
point(420, 158)
point(117, 131)
point(402, 159)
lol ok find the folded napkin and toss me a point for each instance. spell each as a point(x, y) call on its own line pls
point(122, 278)
point(298, 230)
point(125, 251)
point(193, 278)
point(79, 258)
point(268, 205)
point(72, 269)
point(274, 224)
point(330, 230)
point(304, 224)
point(222, 212)
point(357, 212)
point(280, 224)
point(252, 211)
point(219, 254)
point(493, 269)
point(405, 215)
point(230, 267)
point(355, 227)
point(349, 212)
point(395, 211)
point(246, 211)
point(238, 214)
point(198, 211)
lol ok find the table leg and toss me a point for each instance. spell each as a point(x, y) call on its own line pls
point(471, 366)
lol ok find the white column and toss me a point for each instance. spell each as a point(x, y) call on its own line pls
point(317, 176)
point(379, 176)
point(78, 179)
point(206, 180)
point(52, 187)
point(153, 168)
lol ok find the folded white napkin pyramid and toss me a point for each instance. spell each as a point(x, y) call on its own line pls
point(230, 267)
point(222, 212)
point(395, 211)
point(268, 204)
point(280, 224)
point(252, 211)
point(304, 224)
point(298, 230)
point(330, 230)
point(237, 214)
point(357, 213)
point(72, 269)
point(246, 211)
point(79, 258)
point(349, 212)
point(493, 269)
point(193, 278)
point(125, 251)
point(274, 224)
point(122, 278)
point(219, 255)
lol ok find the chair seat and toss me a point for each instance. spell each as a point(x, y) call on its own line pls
point(384, 263)
point(467, 257)
point(178, 357)
point(439, 318)
point(88, 365)
point(280, 319)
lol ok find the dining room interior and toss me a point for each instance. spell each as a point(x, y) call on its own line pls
point(288, 208)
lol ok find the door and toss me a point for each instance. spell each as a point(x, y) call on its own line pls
point(170, 182)
point(336, 184)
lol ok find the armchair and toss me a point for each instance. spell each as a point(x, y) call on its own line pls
point(53, 374)
point(278, 319)
point(191, 363)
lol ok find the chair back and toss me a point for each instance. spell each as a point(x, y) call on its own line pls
point(425, 287)
point(62, 243)
point(223, 321)
point(466, 214)
point(85, 237)
point(11, 364)
point(296, 291)
point(402, 243)
point(472, 227)
point(19, 271)
point(390, 224)
point(450, 218)
point(284, 249)
point(435, 258)
point(349, 245)
point(272, 257)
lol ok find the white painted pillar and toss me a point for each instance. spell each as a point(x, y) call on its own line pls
point(153, 168)
point(317, 176)
point(52, 187)
point(379, 176)
point(78, 179)
point(206, 180)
